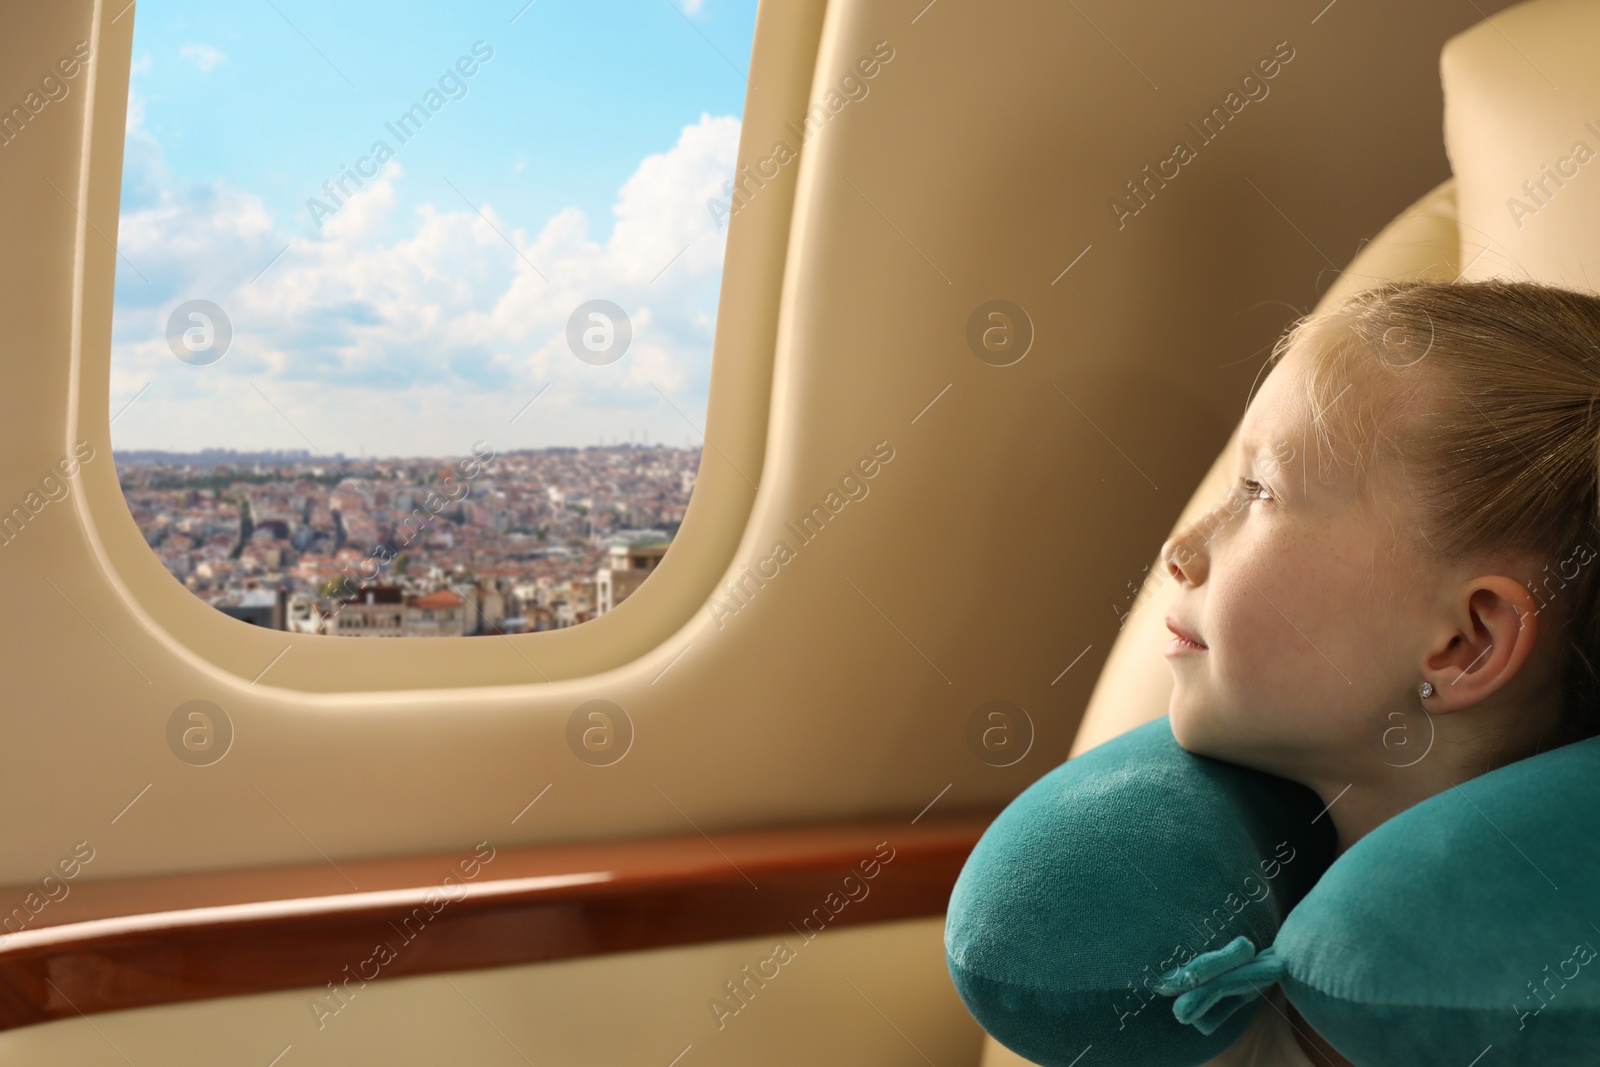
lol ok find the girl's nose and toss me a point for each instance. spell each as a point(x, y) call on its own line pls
point(1183, 557)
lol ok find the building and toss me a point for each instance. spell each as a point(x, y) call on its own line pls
point(306, 615)
point(491, 607)
point(627, 568)
point(376, 611)
point(441, 614)
point(258, 607)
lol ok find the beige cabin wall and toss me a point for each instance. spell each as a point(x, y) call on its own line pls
point(993, 550)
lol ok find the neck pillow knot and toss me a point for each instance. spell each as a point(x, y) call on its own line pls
point(1214, 985)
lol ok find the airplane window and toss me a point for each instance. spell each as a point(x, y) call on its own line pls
point(414, 302)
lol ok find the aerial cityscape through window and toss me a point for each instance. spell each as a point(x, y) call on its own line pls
point(414, 306)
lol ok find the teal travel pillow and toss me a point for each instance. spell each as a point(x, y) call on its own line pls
point(1457, 933)
point(1461, 931)
point(1127, 861)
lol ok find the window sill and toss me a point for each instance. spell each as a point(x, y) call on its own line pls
point(130, 943)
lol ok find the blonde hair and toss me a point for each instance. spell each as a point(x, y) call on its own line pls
point(1484, 395)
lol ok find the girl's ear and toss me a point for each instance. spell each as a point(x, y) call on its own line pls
point(1497, 629)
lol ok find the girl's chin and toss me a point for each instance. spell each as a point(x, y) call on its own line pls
point(1198, 732)
point(1188, 726)
point(1200, 735)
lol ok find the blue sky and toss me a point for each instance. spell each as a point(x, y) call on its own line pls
point(572, 164)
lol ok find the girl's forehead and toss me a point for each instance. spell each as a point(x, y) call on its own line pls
point(1284, 432)
point(1279, 413)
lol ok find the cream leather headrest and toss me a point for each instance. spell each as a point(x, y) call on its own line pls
point(1522, 130)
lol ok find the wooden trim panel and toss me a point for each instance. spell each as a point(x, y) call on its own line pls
point(131, 943)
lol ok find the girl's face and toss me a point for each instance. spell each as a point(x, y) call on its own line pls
point(1310, 637)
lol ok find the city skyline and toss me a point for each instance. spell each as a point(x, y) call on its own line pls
point(486, 542)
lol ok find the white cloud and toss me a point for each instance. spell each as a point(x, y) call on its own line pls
point(203, 56)
point(431, 338)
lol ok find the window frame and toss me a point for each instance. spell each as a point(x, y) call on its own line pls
point(786, 44)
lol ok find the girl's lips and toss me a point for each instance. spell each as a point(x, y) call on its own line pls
point(1183, 640)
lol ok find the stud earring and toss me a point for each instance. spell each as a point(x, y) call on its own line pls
point(1425, 690)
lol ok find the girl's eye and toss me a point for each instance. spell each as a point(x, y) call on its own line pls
point(1254, 490)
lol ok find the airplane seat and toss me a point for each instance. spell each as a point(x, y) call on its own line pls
point(1522, 121)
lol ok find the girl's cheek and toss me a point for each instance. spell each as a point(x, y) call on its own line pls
point(1246, 631)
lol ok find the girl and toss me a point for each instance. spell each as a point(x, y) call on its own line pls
point(1399, 593)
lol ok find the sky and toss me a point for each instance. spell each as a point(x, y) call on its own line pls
point(556, 153)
